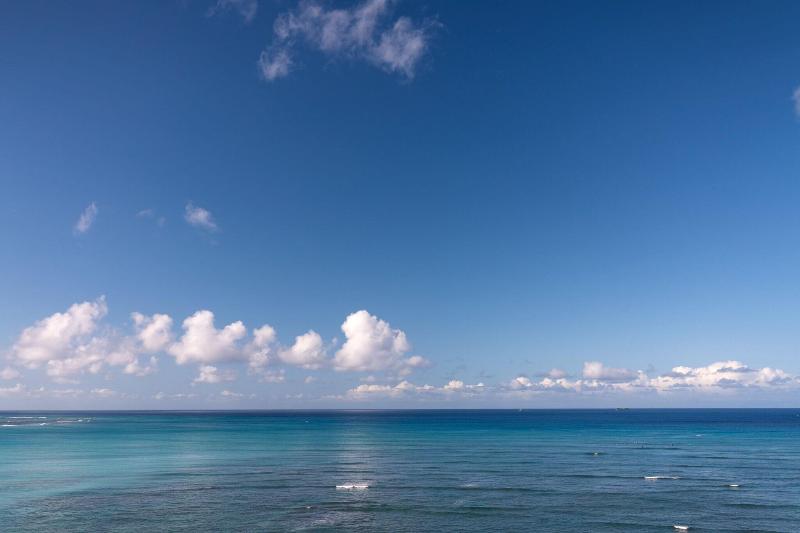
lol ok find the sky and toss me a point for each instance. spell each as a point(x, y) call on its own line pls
point(271, 204)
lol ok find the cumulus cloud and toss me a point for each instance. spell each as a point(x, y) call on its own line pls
point(61, 335)
point(406, 389)
point(134, 366)
point(154, 332)
point(365, 32)
point(716, 377)
point(212, 374)
point(372, 344)
point(200, 218)
point(203, 343)
point(401, 388)
point(454, 384)
point(246, 8)
point(722, 375)
point(86, 219)
point(85, 357)
point(596, 370)
point(260, 351)
point(74, 342)
point(308, 351)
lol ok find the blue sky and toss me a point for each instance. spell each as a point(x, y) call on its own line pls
point(504, 189)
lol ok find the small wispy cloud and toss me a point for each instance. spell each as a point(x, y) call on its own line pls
point(246, 8)
point(150, 214)
point(362, 32)
point(175, 396)
point(199, 217)
point(103, 393)
point(86, 219)
point(8, 373)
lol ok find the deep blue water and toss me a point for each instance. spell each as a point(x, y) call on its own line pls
point(534, 470)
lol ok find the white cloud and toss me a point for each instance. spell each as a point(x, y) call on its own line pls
point(796, 98)
point(556, 373)
point(407, 366)
point(373, 345)
point(401, 47)
point(9, 373)
point(73, 342)
point(388, 390)
point(307, 351)
point(596, 370)
point(211, 374)
point(272, 376)
point(406, 388)
point(86, 219)
point(246, 8)
point(203, 343)
point(261, 349)
point(231, 395)
point(454, 384)
point(150, 213)
point(362, 32)
point(722, 375)
point(103, 393)
point(88, 357)
point(59, 336)
point(136, 368)
point(521, 382)
point(199, 217)
point(154, 332)
point(176, 396)
point(274, 63)
point(16, 390)
point(717, 377)
point(309, 380)
point(125, 353)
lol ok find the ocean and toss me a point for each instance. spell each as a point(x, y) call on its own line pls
point(443, 470)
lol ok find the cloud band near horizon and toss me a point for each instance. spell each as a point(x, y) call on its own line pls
point(77, 342)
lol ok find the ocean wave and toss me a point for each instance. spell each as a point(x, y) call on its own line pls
point(352, 486)
point(655, 478)
point(37, 421)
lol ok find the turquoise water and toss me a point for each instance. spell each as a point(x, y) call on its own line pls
point(401, 471)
